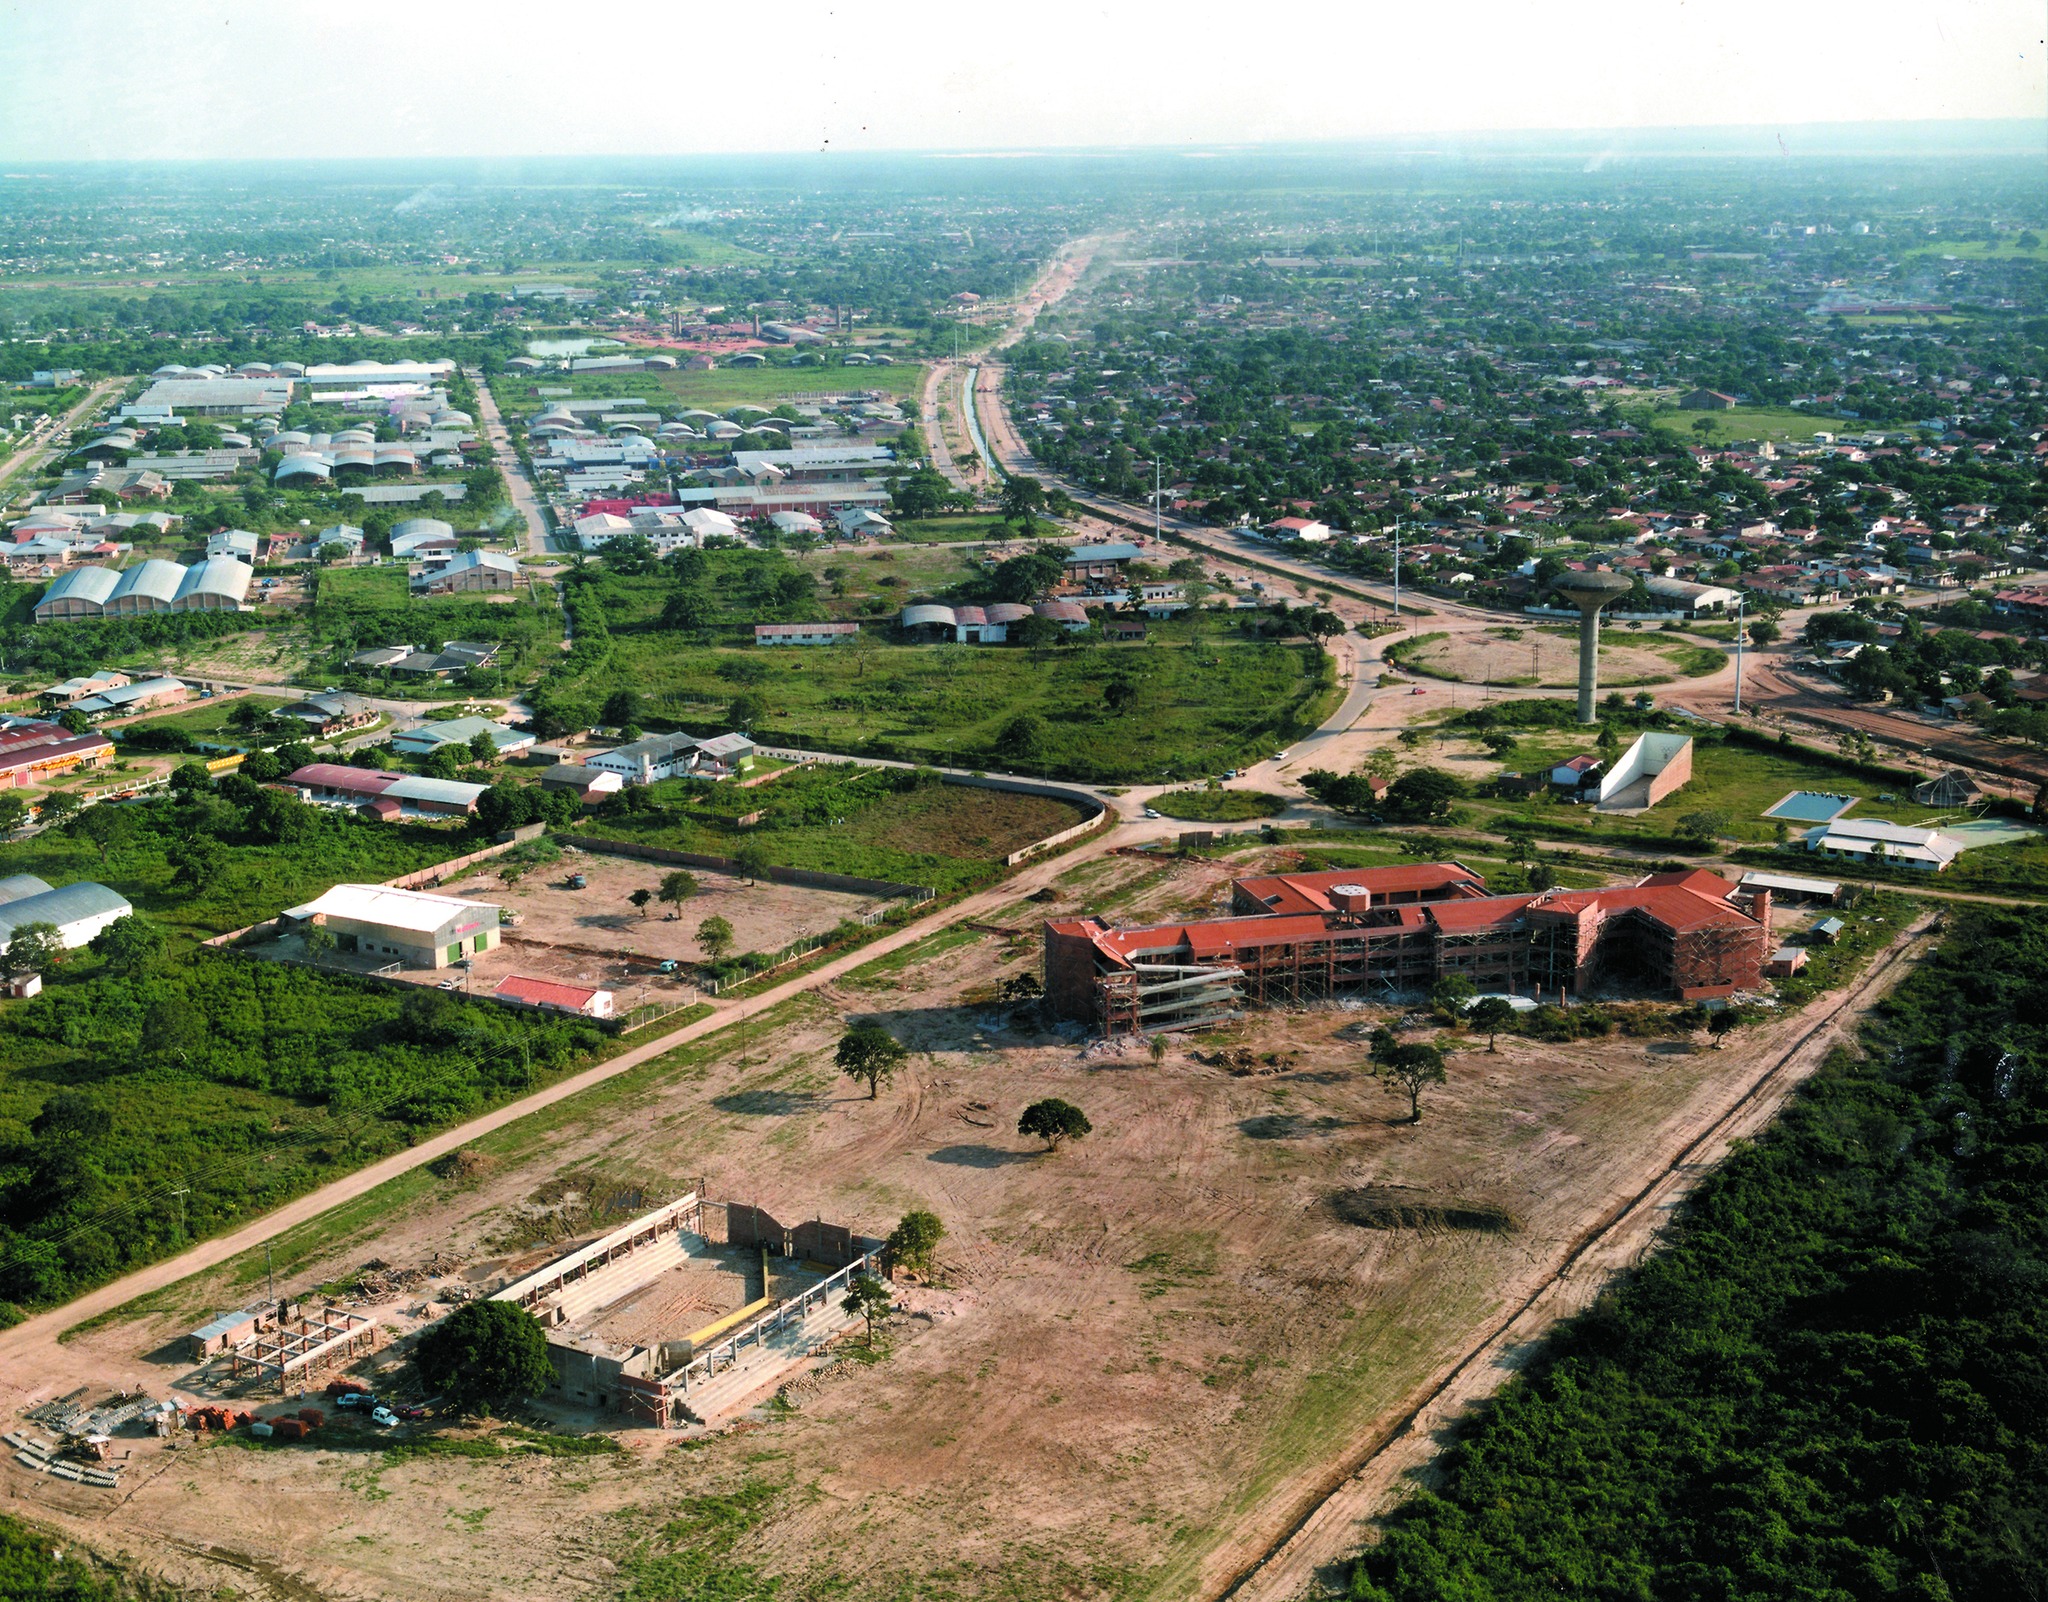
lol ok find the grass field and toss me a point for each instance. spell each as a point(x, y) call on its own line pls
point(948, 530)
point(764, 386)
point(1219, 806)
point(1738, 780)
point(208, 720)
point(1204, 702)
point(1744, 422)
point(871, 822)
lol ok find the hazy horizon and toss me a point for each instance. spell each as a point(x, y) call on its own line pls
point(232, 80)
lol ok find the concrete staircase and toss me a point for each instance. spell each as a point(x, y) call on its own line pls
point(763, 1366)
point(616, 1278)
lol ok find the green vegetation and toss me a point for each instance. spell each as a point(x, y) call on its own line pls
point(1776, 424)
point(31, 1566)
point(1220, 805)
point(1826, 1384)
point(877, 823)
point(1054, 1121)
point(216, 721)
point(485, 1354)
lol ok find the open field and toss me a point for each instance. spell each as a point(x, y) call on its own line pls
point(872, 823)
point(765, 386)
point(208, 720)
point(1156, 1340)
point(1744, 422)
point(1547, 657)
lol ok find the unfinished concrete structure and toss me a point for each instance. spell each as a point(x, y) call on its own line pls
point(1589, 591)
point(638, 1322)
point(1656, 766)
point(300, 1347)
point(1390, 932)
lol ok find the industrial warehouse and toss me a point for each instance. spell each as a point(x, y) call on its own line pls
point(1389, 932)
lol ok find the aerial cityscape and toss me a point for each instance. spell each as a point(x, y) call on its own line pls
point(943, 827)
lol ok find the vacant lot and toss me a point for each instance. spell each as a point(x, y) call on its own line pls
point(208, 720)
point(1548, 657)
point(1744, 422)
point(1152, 1340)
point(873, 823)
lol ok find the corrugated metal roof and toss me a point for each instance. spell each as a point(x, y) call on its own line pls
point(15, 886)
point(73, 903)
point(448, 792)
point(412, 910)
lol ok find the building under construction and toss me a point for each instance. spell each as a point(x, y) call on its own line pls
point(679, 1316)
point(1384, 933)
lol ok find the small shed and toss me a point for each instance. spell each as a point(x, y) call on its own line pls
point(23, 985)
point(1827, 931)
point(219, 1334)
point(1955, 788)
point(1124, 628)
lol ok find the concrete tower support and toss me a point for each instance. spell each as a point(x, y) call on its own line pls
point(1590, 592)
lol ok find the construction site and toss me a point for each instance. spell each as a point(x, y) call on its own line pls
point(687, 1312)
point(1385, 934)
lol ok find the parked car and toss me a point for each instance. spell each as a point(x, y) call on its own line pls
point(355, 1399)
point(1151, 812)
point(383, 1417)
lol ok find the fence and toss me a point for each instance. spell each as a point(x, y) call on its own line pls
point(795, 951)
point(805, 878)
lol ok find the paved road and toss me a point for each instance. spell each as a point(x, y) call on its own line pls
point(524, 501)
point(39, 450)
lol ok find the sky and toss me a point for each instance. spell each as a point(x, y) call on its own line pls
point(200, 79)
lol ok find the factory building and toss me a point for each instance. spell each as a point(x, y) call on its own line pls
point(408, 927)
point(1392, 932)
point(79, 911)
point(218, 584)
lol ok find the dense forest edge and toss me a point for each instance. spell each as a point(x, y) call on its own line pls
point(1830, 1383)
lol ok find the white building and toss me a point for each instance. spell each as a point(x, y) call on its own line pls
point(1869, 840)
point(79, 911)
point(409, 927)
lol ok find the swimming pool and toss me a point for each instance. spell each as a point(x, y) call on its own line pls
point(1812, 806)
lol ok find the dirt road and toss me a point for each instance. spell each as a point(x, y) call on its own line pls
point(39, 449)
point(517, 485)
point(1340, 1521)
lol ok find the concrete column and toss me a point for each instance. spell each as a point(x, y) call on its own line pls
point(1589, 662)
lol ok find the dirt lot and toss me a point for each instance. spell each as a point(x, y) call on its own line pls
point(554, 920)
point(1158, 1339)
point(1482, 657)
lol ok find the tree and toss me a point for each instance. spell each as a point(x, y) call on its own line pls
point(745, 710)
point(1120, 695)
point(1022, 500)
point(1721, 1022)
point(443, 763)
point(677, 887)
point(1404, 1067)
point(914, 1239)
point(1053, 1121)
point(74, 721)
point(320, 941)
point(620, 708)
point(130, 945)
point(640, 898)
point(106, 827)
point(750, 861)
point(35, 948)
point(1703, 828)
point(484, 1354)
point(14, 810)
point(1499, 744)
point(1763, 631)
point(1520, 839)
point(1425, 793)
point(58, 808)
point(1022, 738)
point(869, 1300)
point(870, 1054)
point(482, 748)
point(196, 861)
point(714, 934)
point(1025, 577)
point(1542, 876)
point(1490, 1015)
point(1450, 994)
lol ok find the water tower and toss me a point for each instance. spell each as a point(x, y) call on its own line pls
point(1589, 592)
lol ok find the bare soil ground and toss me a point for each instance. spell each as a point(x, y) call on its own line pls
point(1154, 1347)
point(1476, 657)
point(764, 917)
point(254, 658)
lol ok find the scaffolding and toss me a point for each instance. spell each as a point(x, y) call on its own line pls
point(1152, 996)
point(302, 1346)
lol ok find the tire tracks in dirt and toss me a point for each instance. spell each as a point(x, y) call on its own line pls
point(1331, 1527)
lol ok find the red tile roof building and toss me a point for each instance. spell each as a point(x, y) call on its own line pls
point(1384, 932)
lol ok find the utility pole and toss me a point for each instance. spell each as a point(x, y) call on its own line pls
point(269, 1279)
point(181, 1195)
point(1740, 602)
point(1155, 499)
